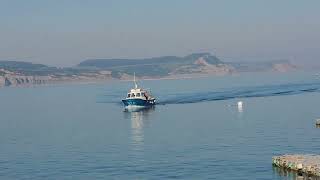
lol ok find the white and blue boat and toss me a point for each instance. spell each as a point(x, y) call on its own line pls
point(138, 97)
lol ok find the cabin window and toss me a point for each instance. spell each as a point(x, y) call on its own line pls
point(132, 95)
point(142, 94)
point(128, 95)
point(138, 94)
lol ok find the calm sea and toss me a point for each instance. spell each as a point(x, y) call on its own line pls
point(195, 132)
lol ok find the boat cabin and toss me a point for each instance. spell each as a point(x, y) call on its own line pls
point(138, 94)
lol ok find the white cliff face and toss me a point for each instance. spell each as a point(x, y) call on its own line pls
point(283, 67)
point(201, 66)
point(218, 69)
point(2, 81)
point(8, 78)
point(16, 80)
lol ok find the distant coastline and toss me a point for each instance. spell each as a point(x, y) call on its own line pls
point(19, 73)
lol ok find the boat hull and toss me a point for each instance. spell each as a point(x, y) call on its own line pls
point(138, 102)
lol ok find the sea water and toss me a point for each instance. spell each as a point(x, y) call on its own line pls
point(195, 132)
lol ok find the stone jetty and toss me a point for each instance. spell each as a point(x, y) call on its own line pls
point(306, 164)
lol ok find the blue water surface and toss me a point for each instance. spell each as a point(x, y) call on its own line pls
point(195, 131)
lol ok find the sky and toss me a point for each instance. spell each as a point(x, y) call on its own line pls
point(66, 32)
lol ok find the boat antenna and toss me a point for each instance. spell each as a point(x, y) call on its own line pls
point(134, 79)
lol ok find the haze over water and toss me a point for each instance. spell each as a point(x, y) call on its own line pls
point(196, 131)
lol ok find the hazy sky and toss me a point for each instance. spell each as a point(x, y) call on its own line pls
point(65, 32)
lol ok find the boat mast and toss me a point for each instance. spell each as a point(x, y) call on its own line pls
point(134, 79)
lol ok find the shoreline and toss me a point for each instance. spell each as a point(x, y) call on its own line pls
point(104, 80)
point(53, 82)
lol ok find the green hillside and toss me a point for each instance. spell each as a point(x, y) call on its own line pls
point(157, 66)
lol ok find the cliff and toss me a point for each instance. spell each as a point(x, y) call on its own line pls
point(266, 66)
point(197, 63)
point(10, 78)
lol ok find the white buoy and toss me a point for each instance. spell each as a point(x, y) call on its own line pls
point(240, 106)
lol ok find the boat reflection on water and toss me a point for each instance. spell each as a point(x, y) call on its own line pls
point(139, 117)
point(143, 109)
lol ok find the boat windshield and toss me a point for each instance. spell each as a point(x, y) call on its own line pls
point(138, 94)
point(132, 95)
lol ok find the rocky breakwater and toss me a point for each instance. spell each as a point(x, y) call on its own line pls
point(308, 164)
